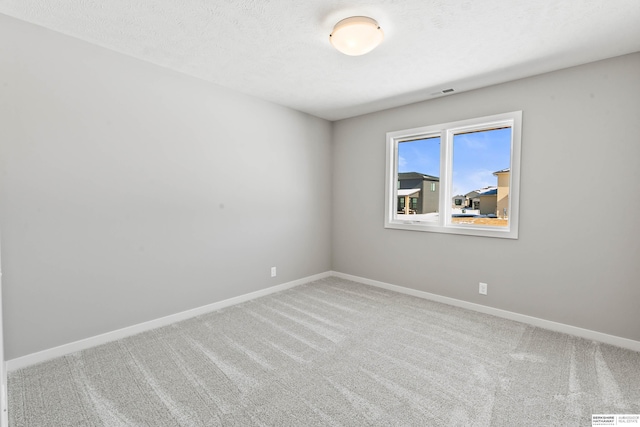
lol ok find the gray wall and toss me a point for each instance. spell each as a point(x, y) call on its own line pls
point(129, 192)
point(581, 139)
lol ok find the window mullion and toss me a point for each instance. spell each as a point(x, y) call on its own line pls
point(446, 160)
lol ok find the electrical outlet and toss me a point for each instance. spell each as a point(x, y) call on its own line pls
point(273, 272)
point(482, 288)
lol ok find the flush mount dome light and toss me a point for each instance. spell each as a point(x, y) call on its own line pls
point(356, 35)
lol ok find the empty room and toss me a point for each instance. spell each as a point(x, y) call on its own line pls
point(320, 213)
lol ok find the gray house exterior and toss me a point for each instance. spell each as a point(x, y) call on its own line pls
point(425, 197)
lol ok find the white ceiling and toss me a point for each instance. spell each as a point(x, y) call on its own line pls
point(279, 50)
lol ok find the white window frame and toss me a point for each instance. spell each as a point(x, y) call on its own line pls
point(446, 132)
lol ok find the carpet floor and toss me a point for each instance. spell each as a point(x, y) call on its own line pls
point(332, 353)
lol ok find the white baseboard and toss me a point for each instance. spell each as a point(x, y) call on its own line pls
point(542, 323)
point(44, 355)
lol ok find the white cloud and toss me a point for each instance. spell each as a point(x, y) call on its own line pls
point(402, 162)
point(473, 180)
point(477, 142)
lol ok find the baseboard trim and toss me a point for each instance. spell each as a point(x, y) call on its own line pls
point(62, 350)
point(534, 321)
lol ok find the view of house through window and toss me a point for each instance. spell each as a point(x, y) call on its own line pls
point(418, 178)
point(460, 177)
point(480, 177)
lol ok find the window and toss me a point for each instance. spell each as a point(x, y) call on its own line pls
point(460, 177)
point(414, 203)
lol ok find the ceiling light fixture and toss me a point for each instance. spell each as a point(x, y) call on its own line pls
point(356, 35)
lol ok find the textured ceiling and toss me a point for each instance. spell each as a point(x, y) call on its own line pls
point(279, 50)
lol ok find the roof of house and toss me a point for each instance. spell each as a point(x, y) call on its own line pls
point(486, 191)
point(502, 171)
point(417, 175)
point(408, 191)
point(491, 191)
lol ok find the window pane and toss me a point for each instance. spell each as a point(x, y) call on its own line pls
point(419, 179)
point(480, 177)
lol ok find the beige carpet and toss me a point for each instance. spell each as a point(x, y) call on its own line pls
point(334, 353)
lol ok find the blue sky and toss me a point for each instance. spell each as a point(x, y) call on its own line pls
point(475, 157)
